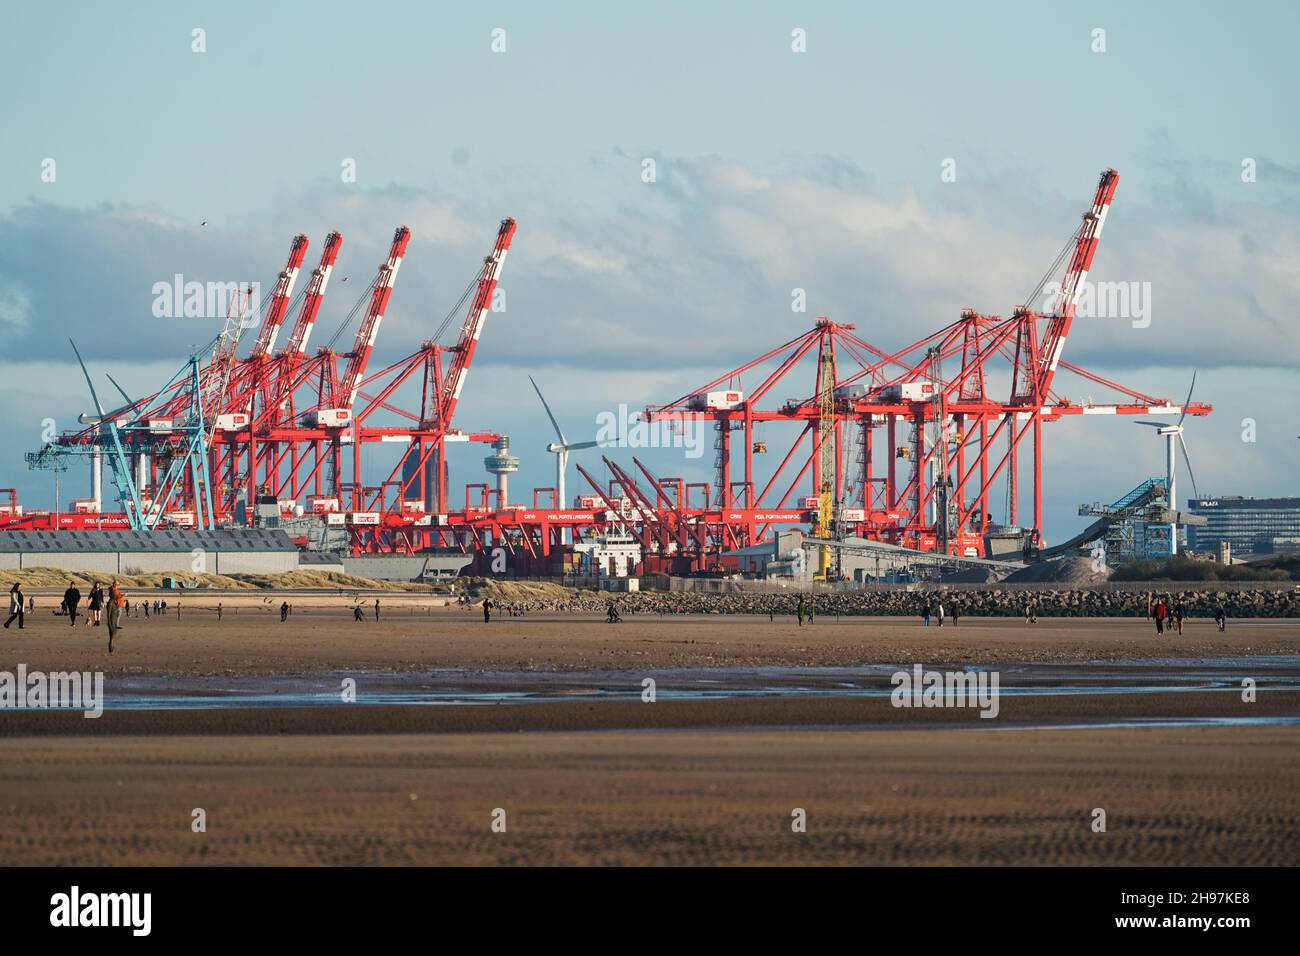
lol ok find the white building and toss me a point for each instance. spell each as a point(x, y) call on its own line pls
point(613, 555)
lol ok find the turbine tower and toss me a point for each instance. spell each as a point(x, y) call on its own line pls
point(1171, 432)
point(561, 451)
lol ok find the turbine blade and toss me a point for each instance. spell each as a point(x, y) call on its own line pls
point(1189, 398)
point(548, 412)
point(1156, 424)
point(120, 390)
point(581, 444)
point(1187, 460)
point(89, 384)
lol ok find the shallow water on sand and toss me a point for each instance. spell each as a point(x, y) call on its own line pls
point(459, 687)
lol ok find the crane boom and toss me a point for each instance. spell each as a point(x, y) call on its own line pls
point(270, 329)
point(1085, 248)
point(369, 330)
point(290, 359)
point(215, 380)
point(320, 277)
point(473, 327)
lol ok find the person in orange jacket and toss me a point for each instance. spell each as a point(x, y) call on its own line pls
point(116, 599)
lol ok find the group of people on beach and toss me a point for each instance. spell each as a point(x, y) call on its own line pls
point(935, 611)
point(1169, 614)
point(114, 602)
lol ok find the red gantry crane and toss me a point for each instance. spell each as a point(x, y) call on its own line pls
point(906, 446)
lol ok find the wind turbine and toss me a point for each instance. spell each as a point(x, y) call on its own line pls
point(1170, 432)
point(97, 458)
point(560, 450)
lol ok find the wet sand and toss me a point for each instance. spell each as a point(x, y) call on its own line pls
point(737, 713)
point(679, 781)
point(1202, 796)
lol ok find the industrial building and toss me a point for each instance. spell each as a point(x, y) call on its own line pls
point(1247, 525)
point(230, 551)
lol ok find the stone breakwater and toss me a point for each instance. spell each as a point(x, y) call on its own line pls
point(991, 602)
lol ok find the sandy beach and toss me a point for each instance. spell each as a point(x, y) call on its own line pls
point(872, 797)
point(414, 635)
point(588, 773)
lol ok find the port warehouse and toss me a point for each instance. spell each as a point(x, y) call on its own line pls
point(224, 551)
point(232, 551)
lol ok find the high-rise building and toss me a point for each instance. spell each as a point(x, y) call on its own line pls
point(1248, 525)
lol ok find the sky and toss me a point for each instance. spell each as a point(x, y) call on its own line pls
point(911, 160)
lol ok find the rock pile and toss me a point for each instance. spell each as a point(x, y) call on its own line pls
point(993, 601)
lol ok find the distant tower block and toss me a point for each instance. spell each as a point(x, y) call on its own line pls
point(502, 464)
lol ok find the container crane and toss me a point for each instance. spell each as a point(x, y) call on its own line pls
point(368, 331)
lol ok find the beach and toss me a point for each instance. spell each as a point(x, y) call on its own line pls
point(544, 721)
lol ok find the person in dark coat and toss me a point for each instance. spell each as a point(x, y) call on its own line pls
point(16, 606)
point(71, 598)
point(95, 608)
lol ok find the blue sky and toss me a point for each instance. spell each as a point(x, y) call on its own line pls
point(819, 170)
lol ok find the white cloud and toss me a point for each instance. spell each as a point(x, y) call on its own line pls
point(15, 305)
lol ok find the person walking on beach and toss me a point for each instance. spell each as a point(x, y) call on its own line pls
point(1160, 612)
point(1180, 611)
point(356, 612)
point(16, 606)
point(800, 608)
point(218, 610)
point(115, 601)
point(487, 610)
point(31, 604)
point(940, 614)
point(284, 612)
point(96, 605)
point(71, 598)
point(925, 613)
point(1220, 616)
point(146, 608)
point(376, 610)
